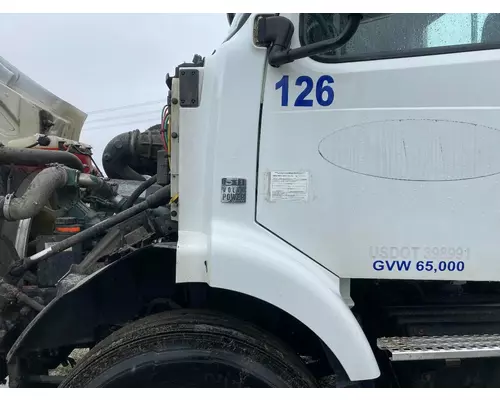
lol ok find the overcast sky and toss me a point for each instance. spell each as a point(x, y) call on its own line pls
point(100, 61)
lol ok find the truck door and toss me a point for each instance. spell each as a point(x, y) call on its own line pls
point(382, 159)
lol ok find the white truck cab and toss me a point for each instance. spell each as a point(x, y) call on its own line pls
point(333, 182)
point(374, 161)
point(377, 161)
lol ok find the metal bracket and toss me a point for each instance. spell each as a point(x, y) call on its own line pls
point(189, 83)
point(6, 207)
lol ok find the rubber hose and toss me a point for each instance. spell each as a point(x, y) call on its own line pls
point(138, 191)
point(36, 196)
point(98, 185)
point(156, 199)
point(102, 248)
point(133, 154)
point(116, 157)
point(13, 292)
point(36, 157)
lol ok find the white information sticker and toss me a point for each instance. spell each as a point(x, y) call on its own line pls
point(288, 185)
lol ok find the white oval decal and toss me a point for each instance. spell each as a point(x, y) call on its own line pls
point(415, 150)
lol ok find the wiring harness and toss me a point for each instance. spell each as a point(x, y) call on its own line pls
point(166, 136)
point(166, 131)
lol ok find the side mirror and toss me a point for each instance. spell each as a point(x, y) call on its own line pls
point(276, 33)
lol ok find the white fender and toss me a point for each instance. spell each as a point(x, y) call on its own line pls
point(256, 263)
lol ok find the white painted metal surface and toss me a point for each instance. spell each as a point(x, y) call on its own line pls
point(404, 172)
point(220, 243)
point(21, 100)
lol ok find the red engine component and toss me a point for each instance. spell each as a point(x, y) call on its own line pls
point(89, 167)
point(55, 143)
point(86, 159)
point(83, 152)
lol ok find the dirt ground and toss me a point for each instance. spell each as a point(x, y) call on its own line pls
point(77, 354)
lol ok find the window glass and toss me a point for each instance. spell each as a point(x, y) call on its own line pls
point(238, 21)
point(400, 35)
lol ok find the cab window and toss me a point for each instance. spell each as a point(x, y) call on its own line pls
point(238, 22)
point(403, 35)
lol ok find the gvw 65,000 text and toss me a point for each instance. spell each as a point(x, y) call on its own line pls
point(421, 266)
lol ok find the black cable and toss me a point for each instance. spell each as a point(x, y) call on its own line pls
point(156, 199)
point(97, 166)
point(138, 191)
point(99, 250)
point(89, 154)
point(14, 292)
point(75, 148)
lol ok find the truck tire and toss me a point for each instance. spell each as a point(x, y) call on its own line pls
point(187, 348)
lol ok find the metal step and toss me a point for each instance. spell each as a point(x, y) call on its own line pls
point(417, 348)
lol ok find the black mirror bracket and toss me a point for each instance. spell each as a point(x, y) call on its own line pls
point(276, 33)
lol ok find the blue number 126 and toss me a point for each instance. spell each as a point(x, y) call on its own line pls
point(324, 92)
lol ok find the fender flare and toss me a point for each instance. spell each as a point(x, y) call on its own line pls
point(89, 300)
point(259, 264)
point(301, 288)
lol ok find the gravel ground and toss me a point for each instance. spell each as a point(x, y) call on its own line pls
point(77, 354)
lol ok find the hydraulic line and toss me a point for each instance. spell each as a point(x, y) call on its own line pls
point(101, 248)
point(12, 293)
point(156, 199)
point(138, 191)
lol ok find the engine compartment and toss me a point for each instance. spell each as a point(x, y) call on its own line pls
point(61, 217)
point(51, 191)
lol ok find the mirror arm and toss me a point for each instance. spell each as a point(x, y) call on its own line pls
point(275, 32)
point(279, 30)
